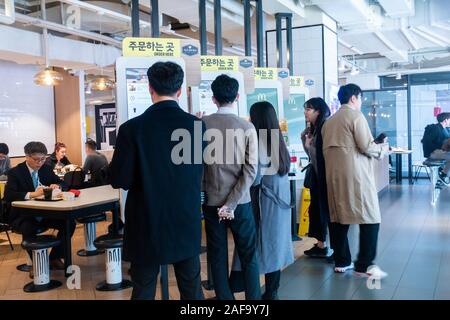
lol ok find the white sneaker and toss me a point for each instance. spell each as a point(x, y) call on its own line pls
point(344, 269)
point(373, 272)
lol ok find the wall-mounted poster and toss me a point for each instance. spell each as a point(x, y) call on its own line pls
point(105, 126)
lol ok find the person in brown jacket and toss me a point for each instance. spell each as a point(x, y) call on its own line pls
point(227, 181)
point(349, 150)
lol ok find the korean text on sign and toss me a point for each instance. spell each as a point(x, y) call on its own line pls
point(151, 47)
point(219, 63)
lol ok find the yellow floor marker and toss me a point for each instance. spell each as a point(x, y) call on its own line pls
point(304, 212)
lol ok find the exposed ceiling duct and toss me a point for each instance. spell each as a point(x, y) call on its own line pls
point(398, 8)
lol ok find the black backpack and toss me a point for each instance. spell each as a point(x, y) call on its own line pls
point(75, 179)
point(428, 140)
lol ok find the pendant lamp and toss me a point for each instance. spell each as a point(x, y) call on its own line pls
point(46, 77)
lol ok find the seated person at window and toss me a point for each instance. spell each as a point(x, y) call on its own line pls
point(5, 163)
point(95, 164)
point(27, 181)
point(58, 160)
point(433, 141)
point(382, 138)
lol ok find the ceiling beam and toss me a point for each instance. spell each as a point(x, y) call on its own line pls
point(348, 46)
point(429, 32)
point(408, 36)
point(402, 54)
point(428, 37)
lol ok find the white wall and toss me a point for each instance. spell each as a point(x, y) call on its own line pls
point(27, 111)
point(310, 57)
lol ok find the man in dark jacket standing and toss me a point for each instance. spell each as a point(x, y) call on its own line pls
point(434, 138)
point(162, 211)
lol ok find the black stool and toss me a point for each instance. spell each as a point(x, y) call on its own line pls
point(113, 246)
point(39, 246)
point(90, 234)
point(26, 267)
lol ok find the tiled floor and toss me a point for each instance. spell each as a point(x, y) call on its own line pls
point(414, 248)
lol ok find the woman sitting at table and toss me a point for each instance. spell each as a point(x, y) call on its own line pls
point(26, 181)
point(57, 160)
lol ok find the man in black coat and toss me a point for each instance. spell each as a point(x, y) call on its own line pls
point(434, 138)
point(162, 211)
point(27, 181)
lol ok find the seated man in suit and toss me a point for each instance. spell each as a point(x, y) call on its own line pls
point(27, 181)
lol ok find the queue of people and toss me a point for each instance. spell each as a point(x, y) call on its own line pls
point(166, 157)
point(244, 193)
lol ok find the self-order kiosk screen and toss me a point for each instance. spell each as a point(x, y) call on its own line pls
point(138, 95)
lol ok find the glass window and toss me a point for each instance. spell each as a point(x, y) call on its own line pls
point(427, 101)
point(386, 112)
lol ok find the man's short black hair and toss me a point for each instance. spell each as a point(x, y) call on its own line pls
point(441, 117)
point(35, 147)
point(225, 89)
point(347, 92)
point(4, 148)
point(166, 78)
point(91, 144)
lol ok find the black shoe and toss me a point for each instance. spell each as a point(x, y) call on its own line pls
point(110, 227)
point(316, 252)
point(56, 264)
point(443, 178)
point(270, 296)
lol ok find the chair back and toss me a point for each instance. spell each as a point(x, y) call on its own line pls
point(75, 179)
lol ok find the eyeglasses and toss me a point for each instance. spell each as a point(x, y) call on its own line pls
point(38, 159)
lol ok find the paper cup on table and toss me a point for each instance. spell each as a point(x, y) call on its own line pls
point(68, 196)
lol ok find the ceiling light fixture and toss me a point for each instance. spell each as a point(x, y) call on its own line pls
point(101, 82)
point(355, 71)
point(46, 77)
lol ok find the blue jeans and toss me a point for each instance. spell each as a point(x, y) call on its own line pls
point(244, 233)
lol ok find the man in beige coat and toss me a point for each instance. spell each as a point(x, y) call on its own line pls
point(349, 151)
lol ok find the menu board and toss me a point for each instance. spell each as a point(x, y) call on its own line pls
point(295, 117)
point(205, 98)
point(138, 95)
point(263, 94)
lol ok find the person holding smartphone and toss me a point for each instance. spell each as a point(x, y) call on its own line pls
point(316, 113)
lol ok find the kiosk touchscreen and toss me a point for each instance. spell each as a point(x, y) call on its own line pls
point(267, 90)
point(132, 93)
point(202, 95)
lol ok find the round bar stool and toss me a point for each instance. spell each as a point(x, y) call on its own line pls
point(39, 246)
point(90, 234)
point(113, 246)
point(26, 267)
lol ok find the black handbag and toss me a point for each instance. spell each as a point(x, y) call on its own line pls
point(75, 179)
point(307, 182)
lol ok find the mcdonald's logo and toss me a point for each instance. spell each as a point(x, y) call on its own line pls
point(261, 97)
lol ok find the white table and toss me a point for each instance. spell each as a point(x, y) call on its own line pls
point(90, 201)
point(398, 164)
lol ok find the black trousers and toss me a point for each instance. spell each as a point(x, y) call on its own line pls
point(187, 273)
point(244, 234)
point(30, 227)
point(272, 283)
point(368, 239)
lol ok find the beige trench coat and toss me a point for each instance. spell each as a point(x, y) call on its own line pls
point(349, 153)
